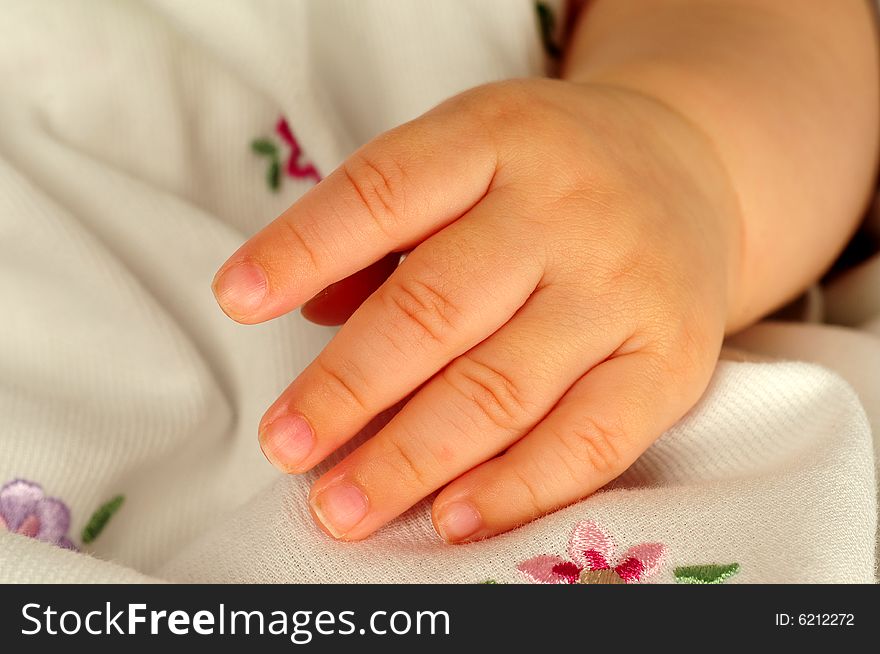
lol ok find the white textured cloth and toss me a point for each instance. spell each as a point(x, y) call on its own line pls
point(126, 179)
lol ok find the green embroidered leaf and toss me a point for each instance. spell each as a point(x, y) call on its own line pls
point(490, 581)
point(705, 574)
point(273, 175)
point(100, 518)
point(264, 146)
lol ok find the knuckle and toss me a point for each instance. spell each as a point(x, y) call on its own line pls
point(493, 395)
point(696, 341)
point(299, 240)
point(593, 445)
point(688, 358)
point(344, 382)
point(535, 498)
point(380, 184)
point(505, 110)
point(506, 103)
point(426, 308)
point(406, 463)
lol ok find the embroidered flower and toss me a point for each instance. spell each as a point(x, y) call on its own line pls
point(293, 167)
point(592, 561)
point(25, 510)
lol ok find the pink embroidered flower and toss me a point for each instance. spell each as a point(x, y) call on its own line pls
point(266, 147)
point(294, 168)
point(592, 551)
point(25, 510)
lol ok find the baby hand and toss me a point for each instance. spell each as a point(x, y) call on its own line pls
point(564, 303)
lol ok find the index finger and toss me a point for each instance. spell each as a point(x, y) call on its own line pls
point(392, 193)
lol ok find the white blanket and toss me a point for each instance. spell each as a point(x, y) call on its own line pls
point(127, 177)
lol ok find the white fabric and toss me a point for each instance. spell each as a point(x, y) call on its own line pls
point(126, 179)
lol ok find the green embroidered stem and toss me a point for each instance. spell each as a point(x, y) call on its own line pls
point(547, 24)
point(489, 581)
point(100, 518)
point(273, 175)
point(705, 574)
point(266, 148)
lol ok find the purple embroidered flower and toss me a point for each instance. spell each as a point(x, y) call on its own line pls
point(25, 510)
point(592, 560)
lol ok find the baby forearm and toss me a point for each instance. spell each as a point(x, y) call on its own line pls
point(787, 95)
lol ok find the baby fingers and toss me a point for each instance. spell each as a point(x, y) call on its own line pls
point(479, 405)
point(597, 430)
point(450, 293)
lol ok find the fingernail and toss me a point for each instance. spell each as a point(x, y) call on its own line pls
point(287, 441)
point(340, 507)
point(240, 289)
point(458, 520)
